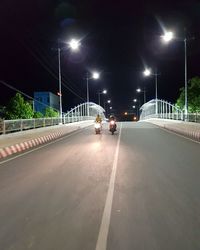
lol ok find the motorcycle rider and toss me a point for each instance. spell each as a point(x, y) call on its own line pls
point(112, 118)
point(98, 119)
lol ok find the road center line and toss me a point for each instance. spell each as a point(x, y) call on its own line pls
point(105, 223)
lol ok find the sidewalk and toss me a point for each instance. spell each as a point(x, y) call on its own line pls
point(188, 129)
point(20, 141)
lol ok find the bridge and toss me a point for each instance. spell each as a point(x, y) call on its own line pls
point(137, 189)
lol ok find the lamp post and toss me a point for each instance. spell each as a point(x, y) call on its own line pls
point(167, 37)
point(144, 91)
point(73, 45)
point(107, 102)
point(147, 72)
point(99, 94)
point(137, 110)
point(95, 75)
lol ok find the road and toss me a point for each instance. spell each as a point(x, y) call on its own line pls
point(136, 190)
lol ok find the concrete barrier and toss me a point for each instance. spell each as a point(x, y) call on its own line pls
point(16, 143)
point(188, 129)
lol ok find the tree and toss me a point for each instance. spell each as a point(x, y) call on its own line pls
point(37, 115)
point(18, 108)
point(193, 96)
point(50, 112)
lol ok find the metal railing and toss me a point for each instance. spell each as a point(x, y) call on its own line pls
point(165, 110)
point(77, 114)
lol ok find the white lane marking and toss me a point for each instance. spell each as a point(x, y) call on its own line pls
point(45, 145)
point(105, 223)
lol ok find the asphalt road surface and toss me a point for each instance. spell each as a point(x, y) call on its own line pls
point(136, 190)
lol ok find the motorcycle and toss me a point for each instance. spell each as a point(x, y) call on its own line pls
point(112, 127)
point(97, 127)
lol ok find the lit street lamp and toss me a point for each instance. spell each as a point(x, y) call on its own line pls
point(147, 73)
point(136, 108)
point(73, 45)
point(95, 75)
point(167, 37)
point(106, 102)
point(100, 93)
point(144, 91)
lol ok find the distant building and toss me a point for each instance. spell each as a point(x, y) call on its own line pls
point(44, 99)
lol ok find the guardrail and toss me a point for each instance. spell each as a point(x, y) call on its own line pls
point(191, 117)
point(162, 109)
point(9, 126)
point(82, 112)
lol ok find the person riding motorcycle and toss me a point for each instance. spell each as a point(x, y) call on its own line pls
point(112, 118)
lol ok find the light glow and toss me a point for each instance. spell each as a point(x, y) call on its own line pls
point(138, 90)
point(147, 72)
point(168, 36)
point(74, 44)
point(95, 75)
point(104, 91)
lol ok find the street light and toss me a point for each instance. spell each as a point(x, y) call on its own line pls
point(100, 93)
point(144, 91)
point(95, 75)
point(135, 100)
point(73, 45)
point(106, 102)
point(148, 72)
point(167, 37)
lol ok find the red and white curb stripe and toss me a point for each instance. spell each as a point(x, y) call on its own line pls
point(22, 146)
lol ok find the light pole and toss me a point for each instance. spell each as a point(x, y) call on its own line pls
point(73, 45)
point(95, 75)
point(108, 102)
point(144, 91)
point(167, 37)
point(137, 110)
point(99, 94)
point(147, 72)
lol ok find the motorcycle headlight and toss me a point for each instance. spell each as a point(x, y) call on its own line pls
point(97, 125)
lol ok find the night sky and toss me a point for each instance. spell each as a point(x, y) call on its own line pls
point(118, 38)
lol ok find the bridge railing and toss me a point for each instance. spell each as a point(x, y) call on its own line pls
point(165, 110)
point(82, 112)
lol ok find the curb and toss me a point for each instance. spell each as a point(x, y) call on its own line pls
point(22, 146)
point(188, 132)
point(195, 135)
